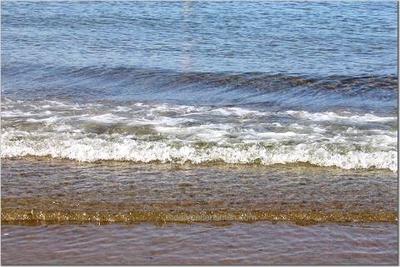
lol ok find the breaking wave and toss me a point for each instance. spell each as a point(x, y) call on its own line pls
point(88, 149)
point(145, 132)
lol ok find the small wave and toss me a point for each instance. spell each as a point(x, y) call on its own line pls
point(95, 149)
point(146, 132)
point(138, 84)
point(175, 79)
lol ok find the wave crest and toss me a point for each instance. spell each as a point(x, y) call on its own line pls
point(95, 149)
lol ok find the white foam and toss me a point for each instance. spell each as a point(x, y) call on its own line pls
point(237, 111)
point(15, 113)
point(332, 116)
point(46, 120)
point(122, 109)
point(82, 148)
point(107, 118)
point(234, 131)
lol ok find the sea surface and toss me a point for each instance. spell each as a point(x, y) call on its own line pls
point(248, 126)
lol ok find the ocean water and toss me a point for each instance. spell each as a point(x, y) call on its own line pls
point(190, 82)
point(126, 112)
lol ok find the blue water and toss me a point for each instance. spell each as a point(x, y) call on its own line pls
point(316, 38)
point(324, 73)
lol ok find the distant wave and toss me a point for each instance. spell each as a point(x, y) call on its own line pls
point(175, 79)
point(254, 80)
point(131, 83)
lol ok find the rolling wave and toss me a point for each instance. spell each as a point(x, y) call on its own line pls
point(373, 92)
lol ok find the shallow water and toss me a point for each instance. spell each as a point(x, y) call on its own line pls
point(258, 243)
point(61, 191)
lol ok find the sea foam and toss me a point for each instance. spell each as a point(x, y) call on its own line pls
point(145, 132)
point(94, 149)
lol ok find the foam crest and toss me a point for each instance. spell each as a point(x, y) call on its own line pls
point(94, 149)
point(332, 116)
point(145, 132)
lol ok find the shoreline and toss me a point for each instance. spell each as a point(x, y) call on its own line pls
point(38, 217)
point(51, 191)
